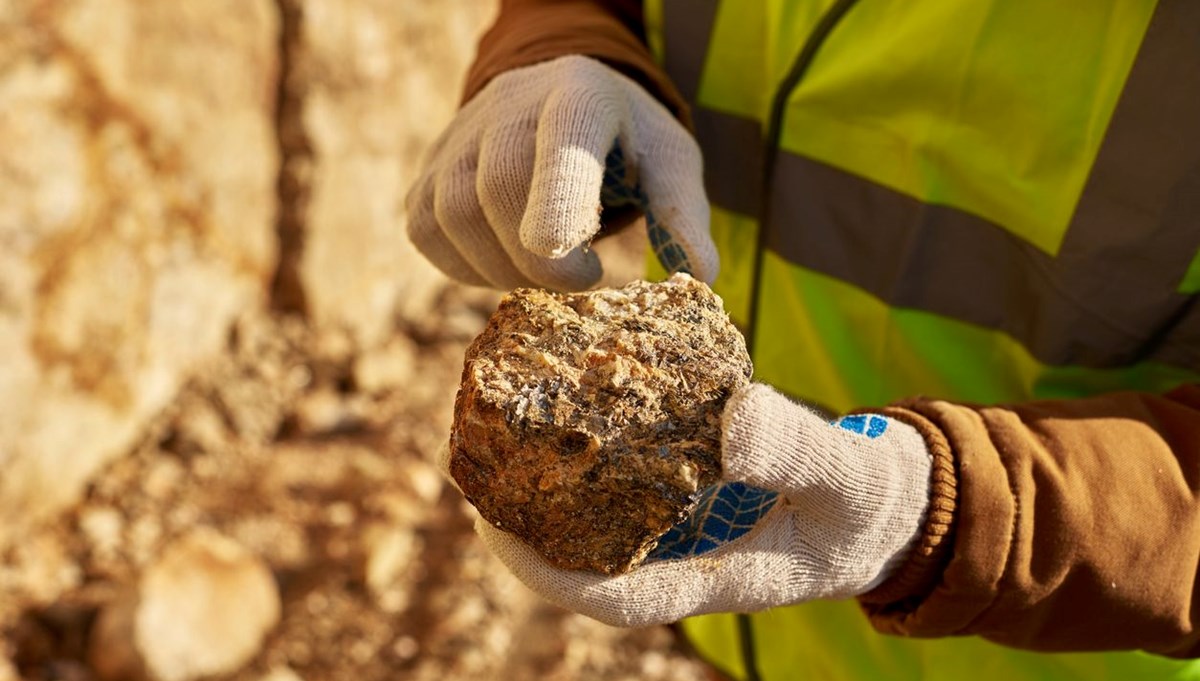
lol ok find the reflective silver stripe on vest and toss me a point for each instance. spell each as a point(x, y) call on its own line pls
point(733, 159)
point(1096, 304)
point(1083, 308)
point(690, 24)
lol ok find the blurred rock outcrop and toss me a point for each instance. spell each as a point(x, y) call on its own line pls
point(177, 180)
point(158, 159)
point(370, 84)
point(138, 160)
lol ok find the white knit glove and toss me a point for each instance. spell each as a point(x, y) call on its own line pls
point(511, 194)
point(820, 510)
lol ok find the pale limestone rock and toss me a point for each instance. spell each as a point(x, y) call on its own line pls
point(386, 80)
point(424, 480)
point(8, 671)
point(163, 478)
point(199, 427)
point(386, 368)
point(318, 412)
point(137, 170)
point(391, 552)
point(202, 608)
point(281, 674)
point(40, 569)
point(102, 527)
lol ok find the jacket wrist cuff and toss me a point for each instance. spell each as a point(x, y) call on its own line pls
point(530, 33)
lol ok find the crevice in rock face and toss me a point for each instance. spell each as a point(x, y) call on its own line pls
point(295, 162)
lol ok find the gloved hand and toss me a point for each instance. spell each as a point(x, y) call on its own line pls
point(511, 193)
point(819, 510)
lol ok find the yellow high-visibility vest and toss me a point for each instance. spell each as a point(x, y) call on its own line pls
point(982, 201)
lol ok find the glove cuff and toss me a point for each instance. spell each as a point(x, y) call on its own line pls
point(916, 570)
point(860, 486)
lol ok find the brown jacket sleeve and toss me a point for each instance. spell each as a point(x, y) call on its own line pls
point(530, 31)
point(1062, 526)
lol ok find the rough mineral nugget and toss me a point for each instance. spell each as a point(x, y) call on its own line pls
point(587, 423)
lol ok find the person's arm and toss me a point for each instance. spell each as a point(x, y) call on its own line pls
point(1076, 526)
point(528, 32)
point(567, 132)
point(1067, 525)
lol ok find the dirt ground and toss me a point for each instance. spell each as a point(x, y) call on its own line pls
point(317, 456)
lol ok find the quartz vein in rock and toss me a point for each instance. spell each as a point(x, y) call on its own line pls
point(587, 423)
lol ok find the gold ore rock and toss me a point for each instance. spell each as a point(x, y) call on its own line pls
point(586, 423)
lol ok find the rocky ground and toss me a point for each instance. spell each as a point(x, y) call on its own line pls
point(299, 452)
point(167, 168)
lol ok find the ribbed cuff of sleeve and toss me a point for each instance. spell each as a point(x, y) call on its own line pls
point(919, 573)
point(528, 32)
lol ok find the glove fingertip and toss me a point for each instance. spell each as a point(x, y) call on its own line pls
point(553, 233)
point(706, 261)
point(578, 270)
point(677, 229)
point(443, 464)
point(706, 267)
point(742, 436)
